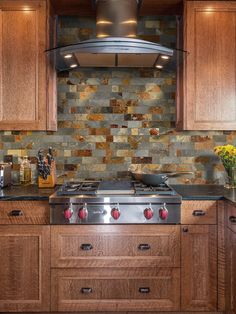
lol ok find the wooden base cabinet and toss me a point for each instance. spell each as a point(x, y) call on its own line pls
point(25, 268)
point(199, 268)
point(231, 259)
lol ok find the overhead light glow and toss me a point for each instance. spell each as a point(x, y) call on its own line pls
point(74, 65)
point(102, 35)
point(129, 22)
point(131, 35)
point(165, 57)
point(103, 22)
point(159, 66)
point(68, 56)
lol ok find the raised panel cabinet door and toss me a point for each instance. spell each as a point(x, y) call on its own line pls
point(199, 268)
point(25, 268)
point(231, 271)
point(209, 65)
point(24, 79)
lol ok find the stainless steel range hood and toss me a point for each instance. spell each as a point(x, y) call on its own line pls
point(116, 44)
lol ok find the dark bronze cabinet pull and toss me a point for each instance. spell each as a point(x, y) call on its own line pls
point(199, 212)
point(185, 229)
point(232, 219)
point(144, 247)
point(86, 290)
point(86, 247)
point(144, 290)
point(16, 213)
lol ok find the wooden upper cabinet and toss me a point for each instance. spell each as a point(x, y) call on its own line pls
point(209, 76)
point(25, 74)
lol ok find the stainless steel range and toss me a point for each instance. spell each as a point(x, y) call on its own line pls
point(114, 202)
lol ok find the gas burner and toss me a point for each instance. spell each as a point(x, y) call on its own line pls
point(162, 189)
point(79, 188)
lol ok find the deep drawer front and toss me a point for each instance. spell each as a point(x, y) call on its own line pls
point(199, 212)
point(231, 216)
point(110, 246)
point(24, 212)
point(120, 289)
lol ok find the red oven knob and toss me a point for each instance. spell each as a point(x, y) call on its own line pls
point(115, 213)
point(68, 213)
point(148, 213)
point(83, 213)
point(163, 212)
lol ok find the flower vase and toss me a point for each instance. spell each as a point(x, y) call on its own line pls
point(231, 178)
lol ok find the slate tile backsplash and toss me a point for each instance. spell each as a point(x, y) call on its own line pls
point(111, 118)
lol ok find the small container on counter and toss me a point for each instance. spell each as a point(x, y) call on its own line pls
point(25, 171)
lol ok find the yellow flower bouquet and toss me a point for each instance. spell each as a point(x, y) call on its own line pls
point(227, 154)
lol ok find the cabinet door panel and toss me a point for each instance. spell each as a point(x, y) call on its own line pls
point(210, 65)
point(25, 268)
point(23, 69)
point(199, 268)
point(115, 246)
point(231, 271)
point(103, 289)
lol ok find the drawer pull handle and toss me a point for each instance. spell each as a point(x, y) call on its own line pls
point(199, 212)
point(86, 290)
point(86, 247)
point(144, 247)
point(16, 213)
point(232, 219)
point(185, 229)
point(144, 290)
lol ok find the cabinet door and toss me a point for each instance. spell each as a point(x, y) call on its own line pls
point(25, 268)
point(231, 271)
point(210, 65)
point(199, 268)
point(23, 71)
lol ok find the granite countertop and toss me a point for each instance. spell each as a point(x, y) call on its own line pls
point(25, 192)
point(188, 192)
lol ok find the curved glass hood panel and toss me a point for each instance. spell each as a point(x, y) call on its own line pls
point(111, 52)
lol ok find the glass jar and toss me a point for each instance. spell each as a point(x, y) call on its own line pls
point(25, 170)
point(231, 177)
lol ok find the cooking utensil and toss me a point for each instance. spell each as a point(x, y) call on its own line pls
point(157, 178)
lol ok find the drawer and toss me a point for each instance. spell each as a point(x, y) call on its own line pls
point(231, 217)
point(199, 212)
point(24, 212)
point(120, 289)
point(112, 245)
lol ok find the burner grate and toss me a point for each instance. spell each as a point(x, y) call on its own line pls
point(79, 188)
point(143, 189)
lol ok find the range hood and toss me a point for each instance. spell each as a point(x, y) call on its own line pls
point(115, 44)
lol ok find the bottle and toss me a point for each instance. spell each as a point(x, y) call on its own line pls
point(25, 170)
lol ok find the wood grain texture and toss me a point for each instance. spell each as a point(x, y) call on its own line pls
point(25, 268)
point(230, 212)
point(221, 255)
point(115, 246)
point(209, 67)
point(231, 271)
point(33, 212)
point(208, 207)
point(199, 268)
point(115, 289)
point(24, 81)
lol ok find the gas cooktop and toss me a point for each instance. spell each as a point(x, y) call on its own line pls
point(114, 187)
